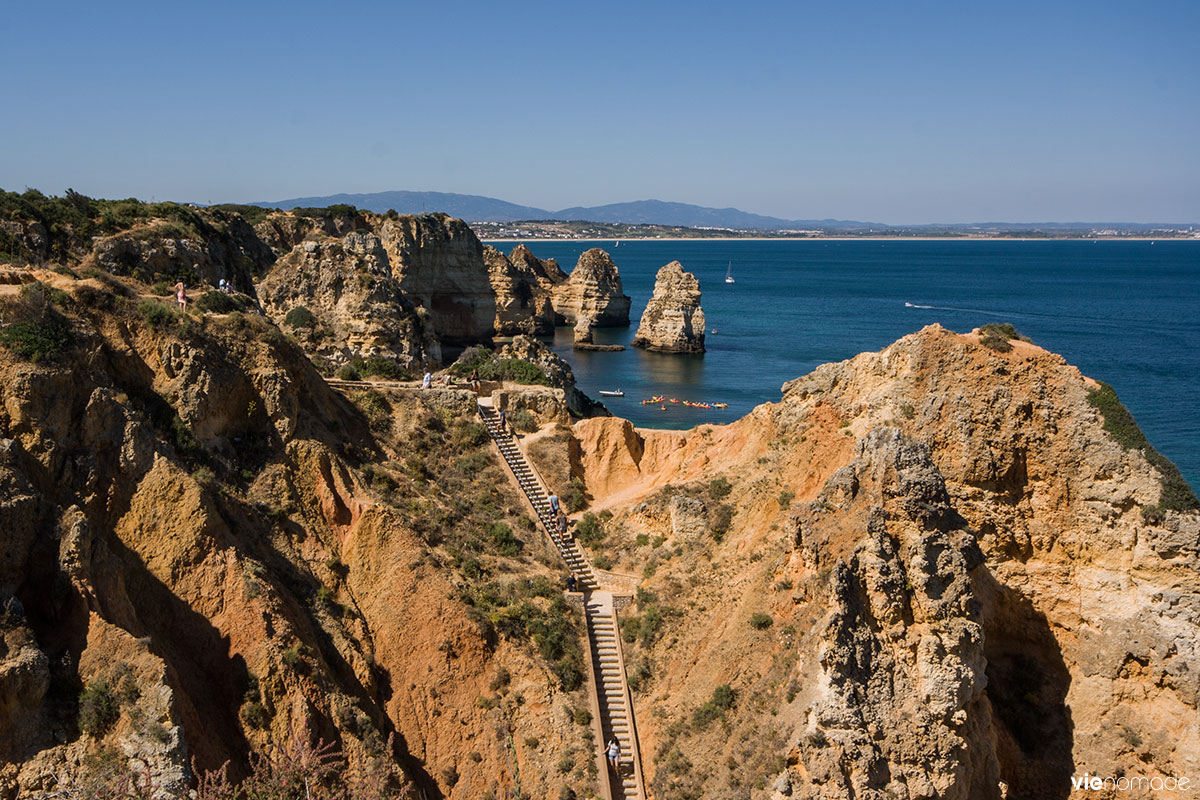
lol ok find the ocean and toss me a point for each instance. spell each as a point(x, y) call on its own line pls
point(1124, 312)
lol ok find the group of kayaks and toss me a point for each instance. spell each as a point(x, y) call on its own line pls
point(663, 401)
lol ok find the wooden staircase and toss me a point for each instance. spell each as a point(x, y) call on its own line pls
point(608, 667)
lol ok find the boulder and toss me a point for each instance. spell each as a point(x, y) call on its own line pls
point(594, 289)
point(673, 321)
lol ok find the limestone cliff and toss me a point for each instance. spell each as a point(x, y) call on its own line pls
point(339, 298)
point(673, 321)
point(522, 287)
point(206, 550)
point(929, 571)
point(593, 291)
point(558, 375)
point(439, 263)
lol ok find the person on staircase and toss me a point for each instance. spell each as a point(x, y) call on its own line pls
point(562, 524)
point(503, 421)
point(554, 504)
point(571, 582)
point(614, 755)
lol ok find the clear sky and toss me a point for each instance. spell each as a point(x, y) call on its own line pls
point(897, 112)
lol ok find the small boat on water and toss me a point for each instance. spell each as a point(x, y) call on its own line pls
point(611, 393)
point(909, 305)
point(729, 273)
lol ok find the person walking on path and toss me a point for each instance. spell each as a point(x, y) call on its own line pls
point(614, 755)
point(427, 381)
point(181, 295)
point(475, 380)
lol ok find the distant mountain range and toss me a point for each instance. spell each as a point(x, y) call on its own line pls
point(477, 208)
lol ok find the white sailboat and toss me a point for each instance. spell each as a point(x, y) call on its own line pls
point(729, 273)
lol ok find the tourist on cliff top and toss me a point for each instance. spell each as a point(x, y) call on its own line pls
point(427, 381)
point(181, 295)
point(223, 286)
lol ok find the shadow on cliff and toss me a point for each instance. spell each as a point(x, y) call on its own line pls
point(1027, 687)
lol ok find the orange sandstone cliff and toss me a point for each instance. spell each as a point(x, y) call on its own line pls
point(925, 572)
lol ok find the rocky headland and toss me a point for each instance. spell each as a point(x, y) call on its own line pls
point(673, 321)
point(929, 571)
point(946, 569)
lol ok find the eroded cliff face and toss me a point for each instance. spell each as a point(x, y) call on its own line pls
point(356, 306)
point(206, 549)
point(673, 321)
point(439, 263)
point(523, 287)
point(925, 572)
point(594, 292)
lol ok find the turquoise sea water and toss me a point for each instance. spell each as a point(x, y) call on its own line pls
point(1124, 312)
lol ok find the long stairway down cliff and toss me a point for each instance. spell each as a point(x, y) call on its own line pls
point(612, 691)
point(539, 498)
point(616, 714)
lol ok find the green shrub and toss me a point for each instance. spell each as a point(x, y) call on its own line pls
point(157, 316)
point(374, 407)
point(581, 716)
point(347, 372)
point(336, 211)
point(216, 302)
point(300, 317)
point(760, 621)
point(576, 496)
point(719, 520)
point(524, 421)
point(589, 531)
point(38, 332)
point(98, 709)
point(651, 623)
point(719, 488)
point(602, 561)
point(472, 434)
point(491, 368)
point(723, 697)
point(379, 367)
point(1177, 495)
point(785, 498)
point(502, 536)
point(996, 335)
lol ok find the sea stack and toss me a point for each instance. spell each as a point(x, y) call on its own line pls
point(673, 321)
point(593, 290)
point(521, 285)
point(583, 329)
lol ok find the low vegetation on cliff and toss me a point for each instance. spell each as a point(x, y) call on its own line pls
point(1177, 495)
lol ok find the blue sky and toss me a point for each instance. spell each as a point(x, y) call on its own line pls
point(891, 112)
